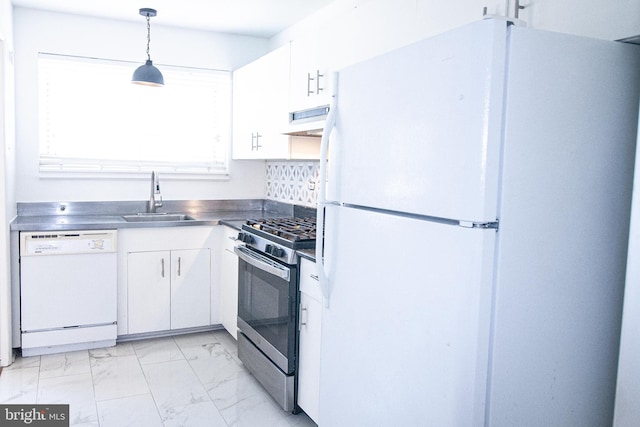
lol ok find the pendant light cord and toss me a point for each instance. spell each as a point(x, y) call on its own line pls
point(148, 36)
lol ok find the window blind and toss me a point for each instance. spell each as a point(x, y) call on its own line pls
point(93, 120)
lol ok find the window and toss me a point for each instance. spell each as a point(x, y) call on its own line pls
point(93, 120)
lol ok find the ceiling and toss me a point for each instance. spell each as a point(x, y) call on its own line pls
point(258, 18)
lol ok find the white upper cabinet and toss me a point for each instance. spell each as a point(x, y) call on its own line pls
point(310, 75)
point(260, 107)
point(261, 111)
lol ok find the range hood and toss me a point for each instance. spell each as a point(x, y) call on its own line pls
point(307, 122)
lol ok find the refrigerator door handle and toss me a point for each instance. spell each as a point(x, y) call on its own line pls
point(322, 182)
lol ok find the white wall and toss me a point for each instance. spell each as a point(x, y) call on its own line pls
point(609, 20)
point(7, 160)
point(39, 31)
point(368, 27)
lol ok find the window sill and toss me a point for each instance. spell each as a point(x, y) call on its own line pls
point(134, 175)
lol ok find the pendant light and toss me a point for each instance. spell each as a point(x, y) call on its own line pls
point(147, 74)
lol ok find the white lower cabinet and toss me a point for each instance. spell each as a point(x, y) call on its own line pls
point(190, 288)
point(149, 306)
point(310, 339)
point(169, 289)
point(229, 282)
point(165, 279)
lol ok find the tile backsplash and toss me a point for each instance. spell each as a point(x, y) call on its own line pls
point(293, 182)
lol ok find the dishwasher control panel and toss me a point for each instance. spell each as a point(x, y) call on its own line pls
point(67, 242)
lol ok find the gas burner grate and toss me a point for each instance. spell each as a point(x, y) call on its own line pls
point(292, 229)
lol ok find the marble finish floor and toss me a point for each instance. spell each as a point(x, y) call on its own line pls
point(188, 380)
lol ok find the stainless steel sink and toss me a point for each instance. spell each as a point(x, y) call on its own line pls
point(146, 217)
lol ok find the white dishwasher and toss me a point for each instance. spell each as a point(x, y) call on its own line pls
point(68, 290)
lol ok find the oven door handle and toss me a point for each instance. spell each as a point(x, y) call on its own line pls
point(262, 262)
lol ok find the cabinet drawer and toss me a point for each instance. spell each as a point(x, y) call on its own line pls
point(309, 283)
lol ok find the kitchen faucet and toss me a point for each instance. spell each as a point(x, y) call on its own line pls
point(155, 200)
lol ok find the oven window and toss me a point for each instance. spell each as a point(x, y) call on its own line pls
point(263, 302)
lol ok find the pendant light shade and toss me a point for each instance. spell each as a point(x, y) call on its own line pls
point(147, 74)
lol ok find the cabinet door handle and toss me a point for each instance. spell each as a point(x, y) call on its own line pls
point(318, 88)
point(258, 146)
point(309, 79)
point(255, 137)
point(179, 265)
point(314, 277)
point(162, 267)
point(304, 316)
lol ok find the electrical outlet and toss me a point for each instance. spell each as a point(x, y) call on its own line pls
point(311, 185)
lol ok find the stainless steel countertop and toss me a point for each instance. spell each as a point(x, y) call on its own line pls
point(94, 222)
point(310, 254)
point(234, 223)
point(57, 216)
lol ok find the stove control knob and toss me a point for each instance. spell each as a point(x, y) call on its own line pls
point(277, 252)
point(244, 237)
point(268, 249)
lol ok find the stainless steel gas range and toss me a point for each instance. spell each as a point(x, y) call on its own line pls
point(268, 300)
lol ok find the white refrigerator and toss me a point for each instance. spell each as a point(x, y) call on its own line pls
point(475, 218)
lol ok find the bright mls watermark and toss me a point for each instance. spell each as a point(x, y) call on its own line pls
point(34, 415)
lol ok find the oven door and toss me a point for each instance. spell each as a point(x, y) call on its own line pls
point(267, 301)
